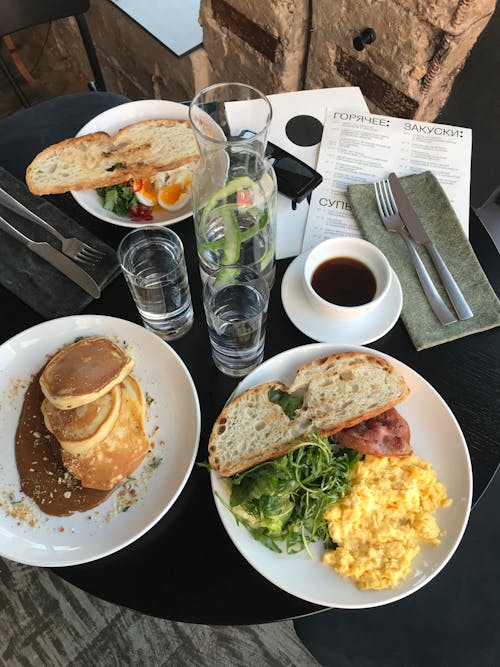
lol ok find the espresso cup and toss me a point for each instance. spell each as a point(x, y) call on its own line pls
point(346, 277)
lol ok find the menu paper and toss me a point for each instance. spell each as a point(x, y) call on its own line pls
point(287, 106)
point(363, 148)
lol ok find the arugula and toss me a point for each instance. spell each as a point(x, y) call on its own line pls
point(288, 403)
point(284, 500)
point(118, 198)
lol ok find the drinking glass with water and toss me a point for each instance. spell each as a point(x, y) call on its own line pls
point(152, 261)
point(236, 301)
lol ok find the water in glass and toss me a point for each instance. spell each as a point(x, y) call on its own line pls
point(236, 317)
point(155, 271)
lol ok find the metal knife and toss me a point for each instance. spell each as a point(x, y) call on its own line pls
point(419, 235)
point(56, 258)
point(14, 205)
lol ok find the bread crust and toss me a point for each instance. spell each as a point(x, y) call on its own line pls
point(95, 155)
point(309, 418)
point(257, 455)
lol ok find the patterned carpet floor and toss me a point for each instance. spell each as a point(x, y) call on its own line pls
point(46, 621)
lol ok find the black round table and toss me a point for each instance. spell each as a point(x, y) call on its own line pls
point(186, 568)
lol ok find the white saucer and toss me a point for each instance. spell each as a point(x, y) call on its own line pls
point(314, 324)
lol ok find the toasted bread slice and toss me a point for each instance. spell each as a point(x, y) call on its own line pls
point(80, 429)
point(339, 391)
point(83, 372)
point(140, 150)
point(344, 389)
point(117, 456)
point(250, 428)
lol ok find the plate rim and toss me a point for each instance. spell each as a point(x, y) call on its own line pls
point(225, 517)
point(116, 220)
point(107, 321)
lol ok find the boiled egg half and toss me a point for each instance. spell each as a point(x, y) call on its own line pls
point(146, 194)
point(169, 189)
point(175, 193)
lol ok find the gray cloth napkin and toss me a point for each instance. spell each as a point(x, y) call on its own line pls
point(441, 223)
point(29, 277)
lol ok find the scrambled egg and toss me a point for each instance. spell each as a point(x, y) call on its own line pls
point(378, 524)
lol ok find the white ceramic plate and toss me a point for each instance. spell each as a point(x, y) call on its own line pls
point(173, 425)
point(111, 121)
point(436, 437)
point(369, 327)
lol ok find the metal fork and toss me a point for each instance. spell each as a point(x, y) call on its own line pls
point(390, 217)
point(72, 247)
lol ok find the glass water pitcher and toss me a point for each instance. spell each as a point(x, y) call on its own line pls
point(234, 189)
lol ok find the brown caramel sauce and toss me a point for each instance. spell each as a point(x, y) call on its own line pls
point(344, 281)
point(43, 476)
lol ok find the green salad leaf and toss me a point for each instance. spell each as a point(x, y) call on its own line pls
point(118, 198)
point(284, 500)
point(288, 403)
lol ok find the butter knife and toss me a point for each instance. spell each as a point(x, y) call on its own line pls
point(419, 235)
point(56, 258)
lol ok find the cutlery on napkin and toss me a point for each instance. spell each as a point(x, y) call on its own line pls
point(441, 223)
point(419, 235)
point(29, 277)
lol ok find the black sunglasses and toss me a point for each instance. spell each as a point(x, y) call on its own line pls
point(296, 179)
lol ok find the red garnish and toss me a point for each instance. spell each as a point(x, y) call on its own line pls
point(243, 198)
point(136, 184)
point(140, 213)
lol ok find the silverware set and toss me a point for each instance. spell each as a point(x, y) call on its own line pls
point(72, 247)
point(398, 216)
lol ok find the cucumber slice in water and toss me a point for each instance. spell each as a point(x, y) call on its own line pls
point(232, 237)
point(231, 188)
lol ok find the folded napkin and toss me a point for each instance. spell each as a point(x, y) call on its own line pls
point(32, 279)
point(441, 223)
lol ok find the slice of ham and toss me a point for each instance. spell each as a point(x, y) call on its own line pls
point(388, 434)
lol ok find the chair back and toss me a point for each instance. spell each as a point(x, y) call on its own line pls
point(19, 14)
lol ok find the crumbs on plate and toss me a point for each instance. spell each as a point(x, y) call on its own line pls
point(20, 508)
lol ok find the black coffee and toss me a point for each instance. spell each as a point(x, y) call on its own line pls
point(344, 281)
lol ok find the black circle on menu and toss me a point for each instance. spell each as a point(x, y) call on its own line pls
point(304, 130)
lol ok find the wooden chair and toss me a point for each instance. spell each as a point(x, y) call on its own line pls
point(19, 14)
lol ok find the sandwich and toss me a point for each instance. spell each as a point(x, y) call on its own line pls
point(349, 395)
point(140, 150)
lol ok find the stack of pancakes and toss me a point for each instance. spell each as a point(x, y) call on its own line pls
point(96, 410)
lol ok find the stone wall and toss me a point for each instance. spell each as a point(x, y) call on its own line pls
point(277, 46)
point(136, 64)
point(407, 71)
point(133, 62)
point(261, 43)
